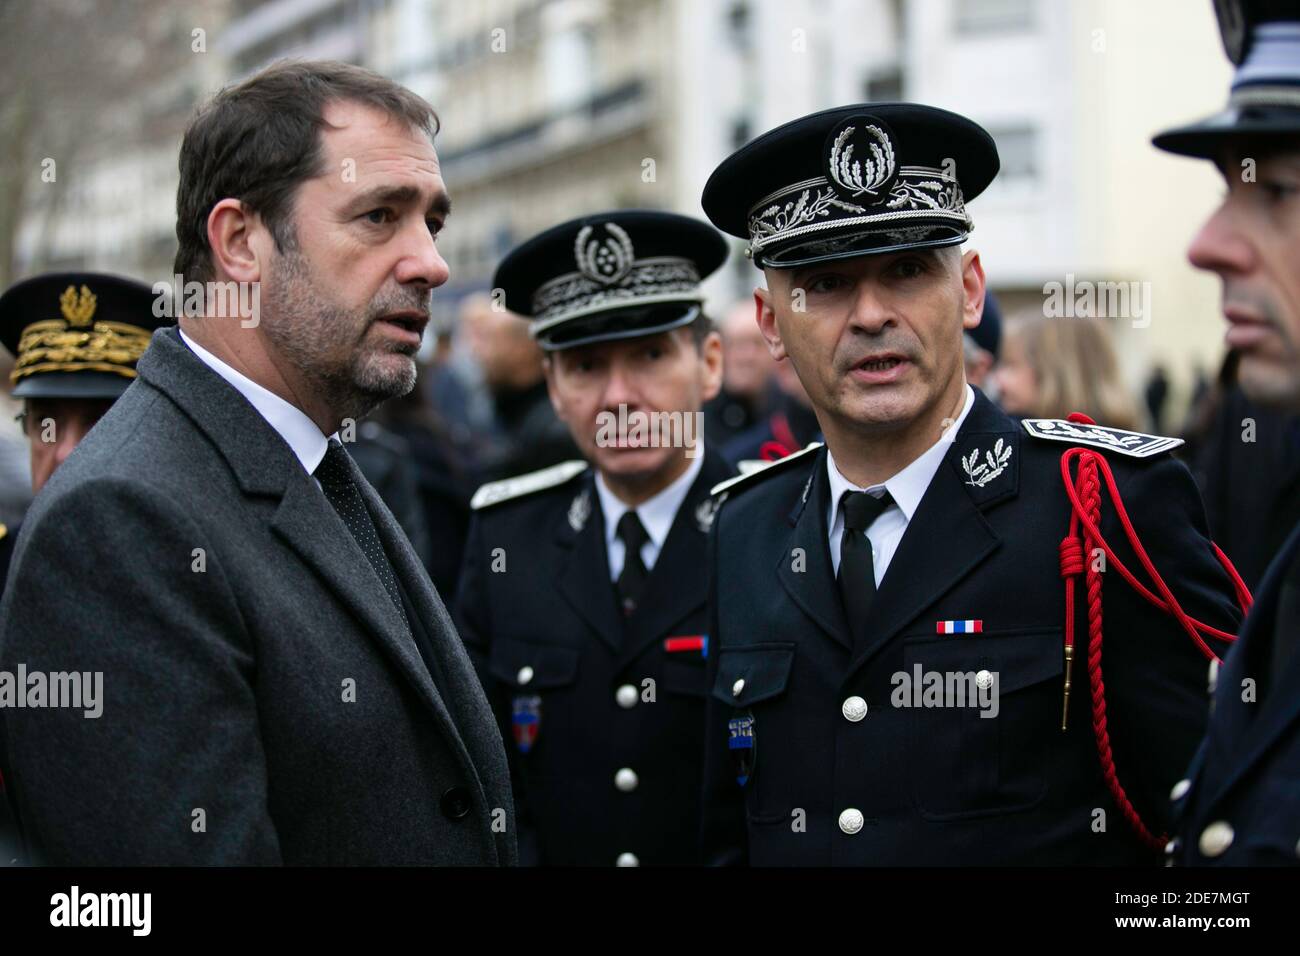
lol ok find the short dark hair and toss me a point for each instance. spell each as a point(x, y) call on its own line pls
point(258, 140)
point(701, 326)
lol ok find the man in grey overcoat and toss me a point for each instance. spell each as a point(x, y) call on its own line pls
point(220, 646)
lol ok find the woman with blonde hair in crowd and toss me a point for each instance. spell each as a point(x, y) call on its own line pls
point(1052, 367)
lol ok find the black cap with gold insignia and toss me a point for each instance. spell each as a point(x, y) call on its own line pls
point(852, 181)
point(1262, 39)
point(612, 275)
point(76, 334)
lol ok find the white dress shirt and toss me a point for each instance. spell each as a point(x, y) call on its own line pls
point(289, 421)
point(656, 516)
point(907, 488)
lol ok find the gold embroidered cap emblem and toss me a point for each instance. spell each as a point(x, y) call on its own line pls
point(78, 309)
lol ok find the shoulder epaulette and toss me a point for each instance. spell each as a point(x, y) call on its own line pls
point(1133, 444)
point(4, 530)
point(495, 492)
point(766, 469)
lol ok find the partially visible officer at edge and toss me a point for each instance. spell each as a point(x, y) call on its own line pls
point(924, 542)
point(1240, 803)
point(75, 338)
point(583, 595)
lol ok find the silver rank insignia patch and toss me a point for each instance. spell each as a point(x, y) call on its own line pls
point(580, 510)
point(1133, 444)
point(705, 512)
point(980, 473)
point(872, 171)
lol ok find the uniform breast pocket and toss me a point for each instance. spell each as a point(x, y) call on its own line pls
point(521, 666)
point(984, 715)
point(531, 676)
point(751, 683)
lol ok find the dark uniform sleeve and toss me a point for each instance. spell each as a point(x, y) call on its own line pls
point(723, 834)
point(1155, 676)
point(470, 609)
point(473, 615)
point(104, 584)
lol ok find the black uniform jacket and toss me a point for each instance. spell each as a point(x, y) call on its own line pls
point(1242, 804)
point(909, 783)
point(603, 716)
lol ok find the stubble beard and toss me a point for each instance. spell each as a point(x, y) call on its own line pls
point(327, 344)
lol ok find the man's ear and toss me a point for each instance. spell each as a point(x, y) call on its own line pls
point(711, 354)
point(972, 281)
point(231, 229)
point(765, 315)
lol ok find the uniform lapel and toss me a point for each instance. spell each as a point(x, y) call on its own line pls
point(678, 583)
point(803, 565)
point(948, 535)
point(582, 571)
point(1245, 731)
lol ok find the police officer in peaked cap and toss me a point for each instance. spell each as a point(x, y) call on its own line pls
point(898, 674)
point(582, 598)
point(1238, 804)
point(75, 338)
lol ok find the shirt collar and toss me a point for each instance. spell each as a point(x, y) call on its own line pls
point(289, 421)
point(907, 488)
point(657, 513)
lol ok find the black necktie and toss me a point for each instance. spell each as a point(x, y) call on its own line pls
point(631, 581)
point(335, 476)
point(857, 569)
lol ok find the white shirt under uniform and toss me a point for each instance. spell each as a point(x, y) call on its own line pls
point(656, 516)
point(907, 488)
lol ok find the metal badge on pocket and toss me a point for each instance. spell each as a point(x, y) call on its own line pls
point(741, 742)
point(526, 720)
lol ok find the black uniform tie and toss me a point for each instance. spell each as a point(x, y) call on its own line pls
point(631, 582)
point(857, 569)
point(335, 476)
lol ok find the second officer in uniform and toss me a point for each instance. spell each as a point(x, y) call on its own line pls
point(583, 593)
point(75, 338)
point(892, 634)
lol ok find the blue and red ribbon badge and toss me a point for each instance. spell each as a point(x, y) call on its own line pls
point(740, 742)
point(686, 643)
point(526, 720)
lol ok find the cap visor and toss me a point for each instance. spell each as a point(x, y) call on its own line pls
point(1207, 139)
point(619, 324)
point(872, 242)
point(72, 385)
